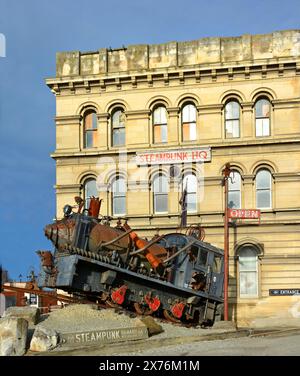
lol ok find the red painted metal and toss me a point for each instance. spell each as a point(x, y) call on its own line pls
point(153, 303)
point(226, 173)
point(177, 310)
point(118, 296)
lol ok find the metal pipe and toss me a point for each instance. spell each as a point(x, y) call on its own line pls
point(180, 250)
point(226, 173)
point(153, 241)
point(116, 239)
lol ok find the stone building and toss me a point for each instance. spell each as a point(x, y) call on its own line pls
point(138, 124)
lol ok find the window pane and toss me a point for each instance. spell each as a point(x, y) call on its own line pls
point(263, 180)
point(160, 203)
point(263, 199)
point(234, 183)
point(94, 120)
point(262, 108)
point(193, 135)
point(89, 139)
point(266, 127)
point(189, 113)
point(234, 200)
point(190, 182)
point(259, 127)
point(202, 257)
point(232, 128)
point(160, 184)
point(262, 127)
point(119, 205)
point(160, 115)
point(217, 264)
point(232, 110)
point(189, 131)
point(119, 137)
point(118, 119)
point(164, 135)
point(247, 263)
point(191, 202)
point(160, 133)
point(248, 283)
point(90, 189)
point(119, 187)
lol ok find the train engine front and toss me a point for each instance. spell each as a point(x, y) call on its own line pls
point(175, 275)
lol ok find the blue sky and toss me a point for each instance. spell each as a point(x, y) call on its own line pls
point(35, 30)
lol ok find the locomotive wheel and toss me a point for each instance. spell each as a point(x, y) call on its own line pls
point(109, 303)
point(169, 316)
point(142, 309)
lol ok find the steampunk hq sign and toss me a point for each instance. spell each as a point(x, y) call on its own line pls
point(202, 154)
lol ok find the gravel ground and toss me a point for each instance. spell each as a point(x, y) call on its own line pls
point(85, 317)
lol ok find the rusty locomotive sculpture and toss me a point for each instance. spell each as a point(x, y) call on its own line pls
point(175, 275)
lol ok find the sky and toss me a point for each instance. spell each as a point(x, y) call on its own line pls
point(34, 30)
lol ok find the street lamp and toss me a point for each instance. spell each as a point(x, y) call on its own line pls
point(226, 174)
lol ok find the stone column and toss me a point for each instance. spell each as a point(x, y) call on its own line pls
point(173, 126)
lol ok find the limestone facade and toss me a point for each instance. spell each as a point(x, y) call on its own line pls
point(119, 111)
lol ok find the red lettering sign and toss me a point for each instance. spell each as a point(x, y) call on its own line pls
point(244, 213)
point(174, 156)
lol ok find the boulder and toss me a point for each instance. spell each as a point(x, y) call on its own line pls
point(13, 336)
point(152, 326)
point(31, 314)
point(44, 339)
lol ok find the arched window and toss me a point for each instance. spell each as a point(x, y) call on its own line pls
point(188, 121)
point(234, 190)
point(160, 194)
point(263, 189)
point(232, 119)
point(90, 128)
point(119, 196)
point(89, 190)
point(262, 117)
point(118, 127)
point(190, 184)
point(160, 129)
point(248, 272)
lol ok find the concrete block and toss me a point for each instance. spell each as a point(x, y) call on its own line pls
point(13, 336)
point(44, 339)
point(31, 314)
point(152, 326)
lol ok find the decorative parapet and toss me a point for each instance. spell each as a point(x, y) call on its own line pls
point(201, 52)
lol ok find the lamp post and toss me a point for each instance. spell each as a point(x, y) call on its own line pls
point(226, 173)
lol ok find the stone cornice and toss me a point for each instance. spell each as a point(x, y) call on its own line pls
point(216, 146)
point(243, 70)
point(65, 120)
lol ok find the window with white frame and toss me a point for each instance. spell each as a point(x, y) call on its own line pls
point(232, 119)
point(262, 118)
point(160, 130)
point(263, 189)
point(118, 127)
point(234, 190)
point(160, 194)
point(90, 128)
point(89, 190)
point(190, 184)
point(119, 196)
point(248, 272)
point(188, 121)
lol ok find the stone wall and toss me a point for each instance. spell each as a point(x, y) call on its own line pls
point(203, 51)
